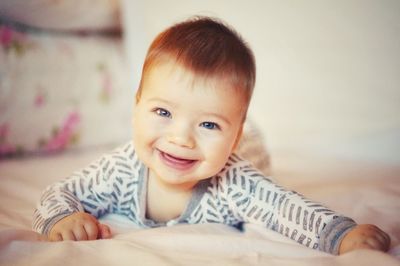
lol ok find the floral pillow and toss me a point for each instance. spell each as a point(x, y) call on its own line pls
point(59, 91)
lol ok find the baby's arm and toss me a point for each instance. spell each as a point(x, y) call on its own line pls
point(365, 236)
point(258, 200)
point(95, 190)
point(62, 206)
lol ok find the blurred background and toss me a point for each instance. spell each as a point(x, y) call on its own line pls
point(328, 72)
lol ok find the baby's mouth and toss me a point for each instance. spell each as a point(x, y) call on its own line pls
point(176, 162)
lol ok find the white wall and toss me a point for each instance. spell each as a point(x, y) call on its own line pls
point(328, 71)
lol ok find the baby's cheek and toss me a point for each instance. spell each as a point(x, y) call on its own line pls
point(220, 157)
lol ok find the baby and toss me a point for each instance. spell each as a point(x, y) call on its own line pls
point(197, 82)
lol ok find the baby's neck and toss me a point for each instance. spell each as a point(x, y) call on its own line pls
point(166, 202)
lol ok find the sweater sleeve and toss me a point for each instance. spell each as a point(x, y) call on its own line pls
point(96, 189)
point(254, 198)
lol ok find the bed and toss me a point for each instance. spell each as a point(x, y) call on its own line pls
point(50, 126)
point(374, 199)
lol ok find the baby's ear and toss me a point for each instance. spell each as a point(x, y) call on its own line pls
point(238, 137)
point(137, 97)
point(138, 94)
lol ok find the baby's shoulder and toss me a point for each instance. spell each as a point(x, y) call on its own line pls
point(239, 173)
point(122, 162)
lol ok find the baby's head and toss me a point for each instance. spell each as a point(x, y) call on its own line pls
point(208, 49)
point(196, 85)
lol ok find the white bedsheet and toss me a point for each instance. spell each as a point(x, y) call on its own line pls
point(367, 192)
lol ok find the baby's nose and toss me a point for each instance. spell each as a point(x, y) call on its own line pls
point(181, 135)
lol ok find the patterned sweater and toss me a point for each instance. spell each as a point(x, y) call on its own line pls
point(239, 193)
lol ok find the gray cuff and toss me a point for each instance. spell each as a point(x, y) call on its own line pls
point(334, 232)
point(50, 222)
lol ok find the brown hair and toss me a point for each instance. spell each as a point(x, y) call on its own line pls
point(209, 49)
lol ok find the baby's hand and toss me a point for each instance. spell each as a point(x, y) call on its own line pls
point(79, 226)
point(365, 236)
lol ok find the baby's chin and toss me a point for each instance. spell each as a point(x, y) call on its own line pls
point(181, 181)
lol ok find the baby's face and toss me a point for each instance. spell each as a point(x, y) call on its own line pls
point(185, 130)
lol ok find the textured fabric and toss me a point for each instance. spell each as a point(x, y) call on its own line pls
point(60, 88)
point(117, 183)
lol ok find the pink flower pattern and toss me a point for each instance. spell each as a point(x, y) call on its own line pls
point(66, 135)
point(13, 40)
point(6, 36)
point(61, 139)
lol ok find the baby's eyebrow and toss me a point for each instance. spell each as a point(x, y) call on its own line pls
point(158, 99)
point(221, 117)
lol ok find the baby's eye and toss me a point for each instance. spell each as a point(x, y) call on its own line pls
point(162, 112)
point(210, 125)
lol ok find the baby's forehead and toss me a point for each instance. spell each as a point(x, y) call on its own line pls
point(215, 80)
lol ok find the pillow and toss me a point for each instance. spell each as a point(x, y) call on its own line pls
point(59, 91)
point(63, 14)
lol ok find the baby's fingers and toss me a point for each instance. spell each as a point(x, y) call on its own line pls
point(385, 238)
point(92, 230)
point(68, 235)
point(80, 233)
point(381, 240)
point(376, 238)
point(365, 236)
point(104, 231)
point(55, 237)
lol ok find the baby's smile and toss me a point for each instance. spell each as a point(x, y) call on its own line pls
point(175, 162)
